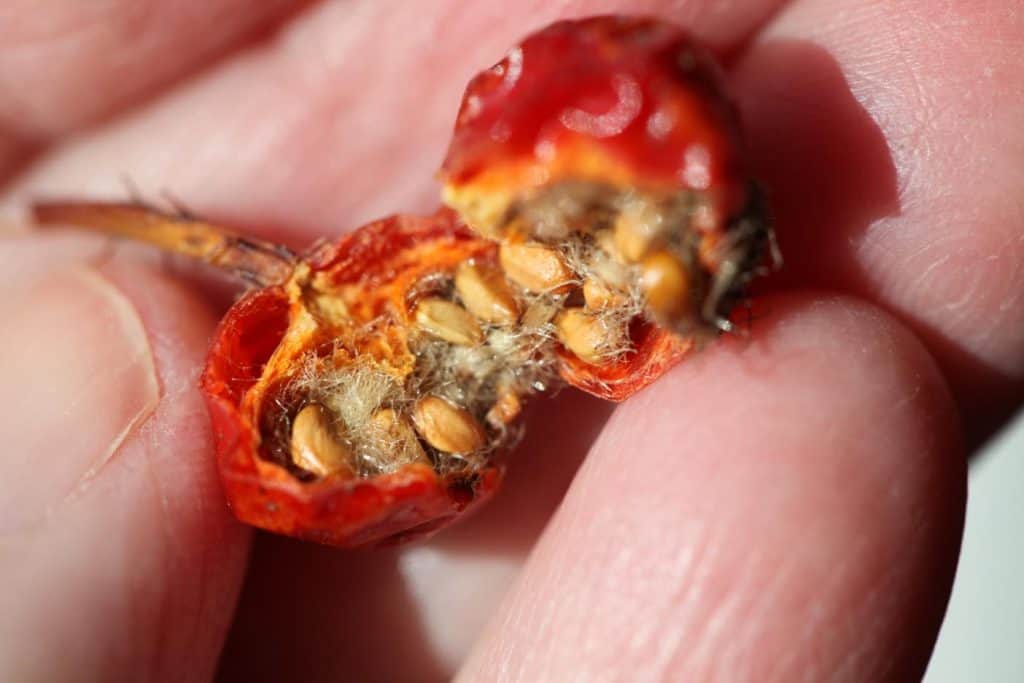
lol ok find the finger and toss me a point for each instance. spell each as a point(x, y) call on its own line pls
point(343, 118)
point(66, 64)
point(784, 509)
point(890, 146)
point(116, 550)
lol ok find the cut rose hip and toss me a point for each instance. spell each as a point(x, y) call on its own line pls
point(610, 138)
point(602, 227)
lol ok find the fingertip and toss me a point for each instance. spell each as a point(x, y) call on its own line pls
point(785, 507)
point(129, 559)
point(79, 377)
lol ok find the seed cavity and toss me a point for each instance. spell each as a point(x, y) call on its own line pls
point(448, 321)
point(572, 270)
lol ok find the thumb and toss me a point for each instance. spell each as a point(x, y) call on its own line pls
point(117, 553)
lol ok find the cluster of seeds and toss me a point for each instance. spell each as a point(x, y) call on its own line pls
point(485, 334)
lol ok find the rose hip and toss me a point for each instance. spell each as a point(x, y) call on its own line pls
point(599, 225)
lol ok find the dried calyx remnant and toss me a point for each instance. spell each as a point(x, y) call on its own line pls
point(599, 224)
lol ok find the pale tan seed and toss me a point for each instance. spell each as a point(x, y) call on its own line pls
point(505, 409)
point(598, 295)
point(539, 314)
point(447, 427)
point(586, 335)
point(449, 321)
point(486, 293)
point(314, 447)
point(535, 267)
point(638, 229)
point(485, 211)
point(605, 239)
point(610, 270)
point(390, 434)
point(665, 285)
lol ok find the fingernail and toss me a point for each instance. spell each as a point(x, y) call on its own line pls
point(78, 378)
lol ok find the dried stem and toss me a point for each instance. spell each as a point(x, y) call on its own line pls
point(262, 263)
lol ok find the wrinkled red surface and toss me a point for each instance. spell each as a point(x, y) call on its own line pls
point(638, 89)
point(408, 503)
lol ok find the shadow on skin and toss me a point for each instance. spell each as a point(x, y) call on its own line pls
point(830, 176)
point(319, 614)
point(823, 160)
point(559, 434)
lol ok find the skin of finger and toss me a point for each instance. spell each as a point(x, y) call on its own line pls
point(340, 119)
point(788, 508)
point(136, 565)
point(64, 64)
point(889, 142)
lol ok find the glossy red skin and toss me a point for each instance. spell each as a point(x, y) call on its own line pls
point(412, 502)
point(549, 93)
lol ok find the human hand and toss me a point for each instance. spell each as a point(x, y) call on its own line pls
point(780, 507)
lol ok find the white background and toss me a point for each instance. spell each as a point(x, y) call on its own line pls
point(983, 636)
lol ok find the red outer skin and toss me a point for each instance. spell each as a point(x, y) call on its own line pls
point(409, 503)
point(656, 351)
point(412, 502)
point(660, 93)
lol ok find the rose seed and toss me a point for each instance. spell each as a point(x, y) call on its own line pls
point(314, 447)
point(665, 285)
point(486, 293)
point(637, 228)
point(448, 321)
point(447, 427)
point(599, 295)
point(394, 435)
point(535, 267)
point(585, 335)
point(505, 409)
